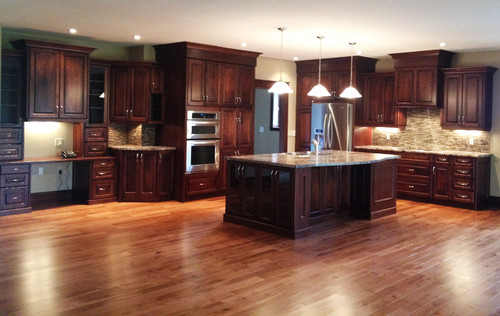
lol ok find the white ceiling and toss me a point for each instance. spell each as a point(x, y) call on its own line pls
point(378, 26)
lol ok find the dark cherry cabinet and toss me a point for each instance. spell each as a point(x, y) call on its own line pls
point(12, 105)
point(57, 80)
point(95, 180)
point(136, 93)
point(441, 177)
point(14, 189)
point(378, 101)
point(238, 85)
point(145, 175)
point(418, 78)
point(203, 86)
point(467, 99)
point(237, 127)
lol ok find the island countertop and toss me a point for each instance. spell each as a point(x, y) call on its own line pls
point(424, 151)
point(325, 158)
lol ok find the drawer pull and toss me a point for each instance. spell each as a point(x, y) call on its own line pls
point(102, 189)
point(411, 170)
point(202, 184)
point(103, 173)
point(411, 187)
point(14, 180)
point(462, 196)
point(463, 171)
point(15, 198)
point(16, 169)
point(463, 160)
point(443, 159)
point(463, 184)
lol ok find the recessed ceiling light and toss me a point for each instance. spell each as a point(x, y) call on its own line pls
point(295, 58)
point(72, 30)
point(358, 52)
point(243, 44)
point(442, 44)
point(137, 37)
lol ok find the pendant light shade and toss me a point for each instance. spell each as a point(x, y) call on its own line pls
point(350, 92)
point(319, 90)
point(281, 86)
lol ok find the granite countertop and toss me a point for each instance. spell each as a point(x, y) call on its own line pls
point(143, 148)
point(307, 159)
point(438, 152)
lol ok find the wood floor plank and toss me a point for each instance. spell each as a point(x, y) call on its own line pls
point(174, 258)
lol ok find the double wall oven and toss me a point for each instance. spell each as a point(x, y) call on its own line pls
point(202, 141)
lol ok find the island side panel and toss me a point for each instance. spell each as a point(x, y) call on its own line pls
point(302, 202)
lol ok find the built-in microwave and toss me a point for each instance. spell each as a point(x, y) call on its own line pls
point(202, 155)
point(202, 125)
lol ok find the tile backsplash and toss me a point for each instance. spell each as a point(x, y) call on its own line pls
point(423, 131)
point(131, 134)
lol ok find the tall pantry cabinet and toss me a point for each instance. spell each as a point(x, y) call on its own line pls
point(206, 78)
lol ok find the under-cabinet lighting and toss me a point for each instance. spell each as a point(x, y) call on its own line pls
point(41, 127)
point(390, 130)
point(295, 58)
point(137, 37)
point(72, 30)
point(442, 44)
point(468, 133)
point(243, 44)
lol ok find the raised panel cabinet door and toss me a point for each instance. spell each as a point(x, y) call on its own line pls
point(373, 101)
point(130, 181)
point(303, 131)
point(74, 85)
point(196, 82)
point(43, 87)
point(164, 178)
point(229, 82)
point(246, 85)
point(148, 175)
point(425, 86)
point(157, 80)
point(119, 103)
point(212, 83)
point(340, 81)
point(387, 106)
point(140, 94)
point(245, 128)
point(452, 100)
point(229, 132)
point(305, 82)
point(405, 82)
point(12, 88)
point(472, 100)
point(441, 182)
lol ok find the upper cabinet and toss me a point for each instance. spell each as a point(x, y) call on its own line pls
point(136, 93)
point(203, 87)
point(418, 77)
point(378, 101)
point(238, 85)
point(58, 77)
point(467, 98)
point(12, 89)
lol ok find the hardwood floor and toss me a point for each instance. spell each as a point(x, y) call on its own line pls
point(181, 259)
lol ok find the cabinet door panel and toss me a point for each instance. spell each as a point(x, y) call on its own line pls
point(246, 85)
point(74, 85)
point(229, 80)
point(472, 100)
point(373, 100)
point(148, 174)
point(452, 100)
point(305, 82)
point(119, 93)
point(303, 133)
point(165, 173)
point(196, 75)
point(441, 184)
point(212, 83)
point(388, 111)
point(229, 138)
point(44, 83)
point(140, 94)
point(404, 82)
point(246, 126)
point(426, 86)
point(130, 174)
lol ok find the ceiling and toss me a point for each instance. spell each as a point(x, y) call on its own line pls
point(378, 26)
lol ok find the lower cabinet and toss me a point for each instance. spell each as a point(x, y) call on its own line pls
point(261, 193)
point(14, 189)
point(145, 175)
point(446, 178)
point(95, 181)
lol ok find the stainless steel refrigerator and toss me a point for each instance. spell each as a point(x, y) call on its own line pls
point(332, 125)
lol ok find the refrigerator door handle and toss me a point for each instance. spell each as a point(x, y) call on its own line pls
point(330, 131)
point(325, 130)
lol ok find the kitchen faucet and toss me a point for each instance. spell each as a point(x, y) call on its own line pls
point(316, 146)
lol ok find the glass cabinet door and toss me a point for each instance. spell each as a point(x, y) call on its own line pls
point(97, 95)
point(12, 92)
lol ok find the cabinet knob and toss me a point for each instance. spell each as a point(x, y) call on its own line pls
point(102, 189)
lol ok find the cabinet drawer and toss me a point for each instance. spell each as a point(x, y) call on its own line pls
point(10, 169)
point(11, 152)
point(463, 184)
point(11, 135)
point(418, 170)
point(461, 196)
point(442, 159)
point(103, 163)
point(414, 188)
point(11, 198)
point(96, 134)
point(95, 149)
point(416, 157)
point(463, 161)
point(102, 189)
point(103, 173)
point(463, 172)
point(14, 180)
point(202, 185)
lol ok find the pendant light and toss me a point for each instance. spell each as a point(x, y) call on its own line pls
point(319, 90)
point(350, 92)
point(281, 86)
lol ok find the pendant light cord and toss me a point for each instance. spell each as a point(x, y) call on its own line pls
point(319, 64)
point(281, 53)
point(352, 51)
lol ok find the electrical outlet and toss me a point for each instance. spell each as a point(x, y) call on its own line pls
point(59, 142)
point(471, 141)
point(40, 171)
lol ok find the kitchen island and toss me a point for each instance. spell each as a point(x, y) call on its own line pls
point(287, 193)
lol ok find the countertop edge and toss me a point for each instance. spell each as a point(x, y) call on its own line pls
point(139, 147)
point(418, 151)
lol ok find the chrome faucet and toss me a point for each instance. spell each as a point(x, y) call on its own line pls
point(316, 146)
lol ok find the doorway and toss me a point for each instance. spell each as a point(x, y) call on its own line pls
point(271, 119)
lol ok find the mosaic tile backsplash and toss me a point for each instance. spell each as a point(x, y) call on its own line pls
point(423, 131)
point(126, 134)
